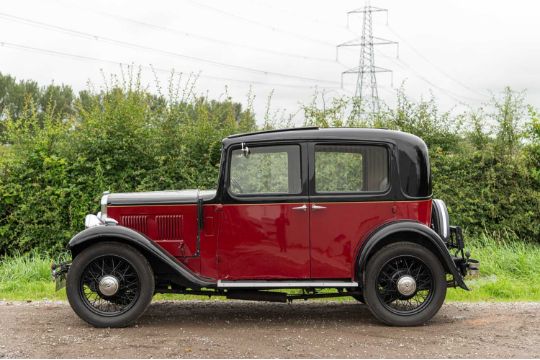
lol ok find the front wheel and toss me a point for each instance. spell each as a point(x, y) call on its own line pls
point(405, 284)
point(110, 284)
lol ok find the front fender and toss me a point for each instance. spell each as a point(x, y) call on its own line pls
point(421, 230)
point(96, 234)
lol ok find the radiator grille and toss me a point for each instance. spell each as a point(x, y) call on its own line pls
point(169, 227)
point(135, 222)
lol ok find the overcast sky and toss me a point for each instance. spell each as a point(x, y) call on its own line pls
point(461, 51)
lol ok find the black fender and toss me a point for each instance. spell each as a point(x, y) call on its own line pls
point(412, 227)
point(111, 232)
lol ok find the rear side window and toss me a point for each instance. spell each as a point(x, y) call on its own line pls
point(350, 169)
point(271, 170)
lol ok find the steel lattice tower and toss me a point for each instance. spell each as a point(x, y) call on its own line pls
point(366, 93)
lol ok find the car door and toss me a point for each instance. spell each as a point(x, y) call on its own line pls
point(264, 233)
point(349, 187)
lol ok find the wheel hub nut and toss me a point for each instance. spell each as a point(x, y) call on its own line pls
point(406, 285)
point(108, 285)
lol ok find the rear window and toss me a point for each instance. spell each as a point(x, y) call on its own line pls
point(351, 169)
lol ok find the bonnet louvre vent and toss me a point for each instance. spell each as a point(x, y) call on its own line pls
point(138, 223)
point(169, 227)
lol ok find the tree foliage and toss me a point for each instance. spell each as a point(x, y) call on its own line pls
point(485, 162)
point(53, 169)
point(60, 151)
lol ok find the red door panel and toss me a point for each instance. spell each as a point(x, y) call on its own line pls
point(264, 241)
point(336, 231)
point(339, 229)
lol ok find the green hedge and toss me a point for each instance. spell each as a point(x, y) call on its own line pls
point(55, 165)
point(54, 170)
point(485, 162)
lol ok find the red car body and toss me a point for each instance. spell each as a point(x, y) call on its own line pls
point(307, 209)
point(268, 241)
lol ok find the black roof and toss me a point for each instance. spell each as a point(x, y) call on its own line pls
point(315, 133)
point(411, 152)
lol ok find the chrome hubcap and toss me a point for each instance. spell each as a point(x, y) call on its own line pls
point(108, 285)
point(406, 285)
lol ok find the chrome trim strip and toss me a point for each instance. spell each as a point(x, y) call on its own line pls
point(284, 284)
point(171, 197)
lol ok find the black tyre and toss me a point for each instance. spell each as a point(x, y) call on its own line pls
point(110, 284)
point(405, 284)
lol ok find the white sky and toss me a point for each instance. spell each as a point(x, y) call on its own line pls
point(459, 50)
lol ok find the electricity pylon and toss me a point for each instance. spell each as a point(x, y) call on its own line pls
point(366, 94)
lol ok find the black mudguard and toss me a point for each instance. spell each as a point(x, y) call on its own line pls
point(414, 227)
point(116, 232)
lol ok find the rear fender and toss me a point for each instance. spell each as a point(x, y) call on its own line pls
point(382, 235)
point(123, 234)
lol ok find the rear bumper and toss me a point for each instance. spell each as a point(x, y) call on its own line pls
point(462, 258)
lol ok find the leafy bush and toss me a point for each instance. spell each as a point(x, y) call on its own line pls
point(485, 164)
point(54, 169)
point(54, 165)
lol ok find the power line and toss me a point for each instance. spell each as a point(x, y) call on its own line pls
point(210, 39)
point(258, 23)
point(446, 92)
point(296, 14)
point(438, 68)
point(148, 48)
point(96, 59)
point(435, 66)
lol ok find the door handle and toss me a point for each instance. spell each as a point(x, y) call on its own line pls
point(317, 207)
point(300, 208)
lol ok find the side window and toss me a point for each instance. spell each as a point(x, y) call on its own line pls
point(272, 170)
point(350, 169)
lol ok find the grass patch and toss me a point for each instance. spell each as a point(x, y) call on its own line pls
point(27, 277)
point(510, 271)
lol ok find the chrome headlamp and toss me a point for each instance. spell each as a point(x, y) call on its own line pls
point(92, 220)
point(101, 217)
point(104, 200)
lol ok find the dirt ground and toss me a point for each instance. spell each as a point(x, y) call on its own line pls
point(311, 329)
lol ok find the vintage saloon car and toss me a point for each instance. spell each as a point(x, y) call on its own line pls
point(309, 209)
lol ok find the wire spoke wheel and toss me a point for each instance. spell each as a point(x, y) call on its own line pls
point(109, 285)
point(405, 285)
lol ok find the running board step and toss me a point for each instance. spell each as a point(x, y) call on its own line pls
point(283, 284)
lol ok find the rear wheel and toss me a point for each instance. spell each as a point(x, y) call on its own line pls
point(405, 284)
point(110, 284)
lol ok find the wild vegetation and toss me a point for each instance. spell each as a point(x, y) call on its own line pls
point(510, 272)
point(60, 150)
point(56, 165)
point(484, 161)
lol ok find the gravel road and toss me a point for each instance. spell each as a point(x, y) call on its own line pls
point(212, 329)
